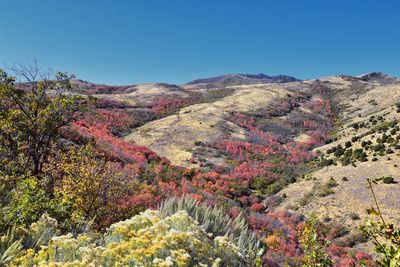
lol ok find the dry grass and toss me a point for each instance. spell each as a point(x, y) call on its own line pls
point(174, 136)
point(144, 94)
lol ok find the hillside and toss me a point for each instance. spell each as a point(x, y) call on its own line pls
point(187, 137)
point(220, 164)
point(181, 138)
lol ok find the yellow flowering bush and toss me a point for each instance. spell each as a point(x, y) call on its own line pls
point(147, 239)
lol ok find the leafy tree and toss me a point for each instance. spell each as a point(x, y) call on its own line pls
point(33, 107)
point(93, 185)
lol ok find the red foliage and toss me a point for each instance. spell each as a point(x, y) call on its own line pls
point(114, 147)
point(243, 120)
point(298, 152)
point(321, 106)
point(262, 156)
point(257, 207)
point(167, 105)
point(345, 257)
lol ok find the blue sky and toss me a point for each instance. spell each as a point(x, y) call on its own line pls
point(126, 42)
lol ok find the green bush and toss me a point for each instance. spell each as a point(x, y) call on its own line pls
point(345, 161)
point(260, 183)
point(331, 183)
point(10, 247)
point(215, 221)
point(27, 203)
point(354, 139)
point(363, 144)
point(313, 246)
point(379, 147)
point(198, 143)
point(384, 235)
point(389, 151)
point(326, 162)
point(388, 180)
point(339, 152)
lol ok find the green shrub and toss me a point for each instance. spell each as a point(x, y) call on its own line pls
point(363, 144)
point(379, 147)
point(181, 233)
point(345, 161)
point(275, 187)
point(215, 221)
point(389, 151)
point(305, 199)
point(354, 216)
point(339, 152)
point(331, 183)
point(10, 247)
point(384, 236)
point(322, 190)
point(388, 180)
point(28, 202)
point(326, 162)
point(198, 143)
point(260, 183)
point(313, 246)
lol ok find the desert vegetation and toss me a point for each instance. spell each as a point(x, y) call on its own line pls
point(76, 192)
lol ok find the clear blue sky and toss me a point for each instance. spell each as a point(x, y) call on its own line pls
point(126, 42)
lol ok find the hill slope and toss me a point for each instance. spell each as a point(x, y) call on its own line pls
point(225, 122)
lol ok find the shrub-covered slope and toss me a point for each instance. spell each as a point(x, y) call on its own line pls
point(100, 160)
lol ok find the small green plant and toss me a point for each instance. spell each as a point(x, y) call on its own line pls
point(388, 180)
point(198, 143)
point(326, 162)
point(313, 246)
point(10, 247)
point(384, 235)
point(354, 216)
point(331, 183)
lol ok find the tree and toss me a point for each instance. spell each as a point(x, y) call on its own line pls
point(95, 186)
point(33, 107)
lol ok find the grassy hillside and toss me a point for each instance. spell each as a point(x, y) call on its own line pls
point(221, 174)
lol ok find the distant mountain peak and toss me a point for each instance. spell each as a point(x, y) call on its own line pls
point(236, 79)
point(379, 77)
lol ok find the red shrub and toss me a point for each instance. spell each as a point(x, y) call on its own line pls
point(257, 207)
point(165, 105)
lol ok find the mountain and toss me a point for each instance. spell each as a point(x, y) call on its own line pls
point(379, 77)
point(236, 79)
